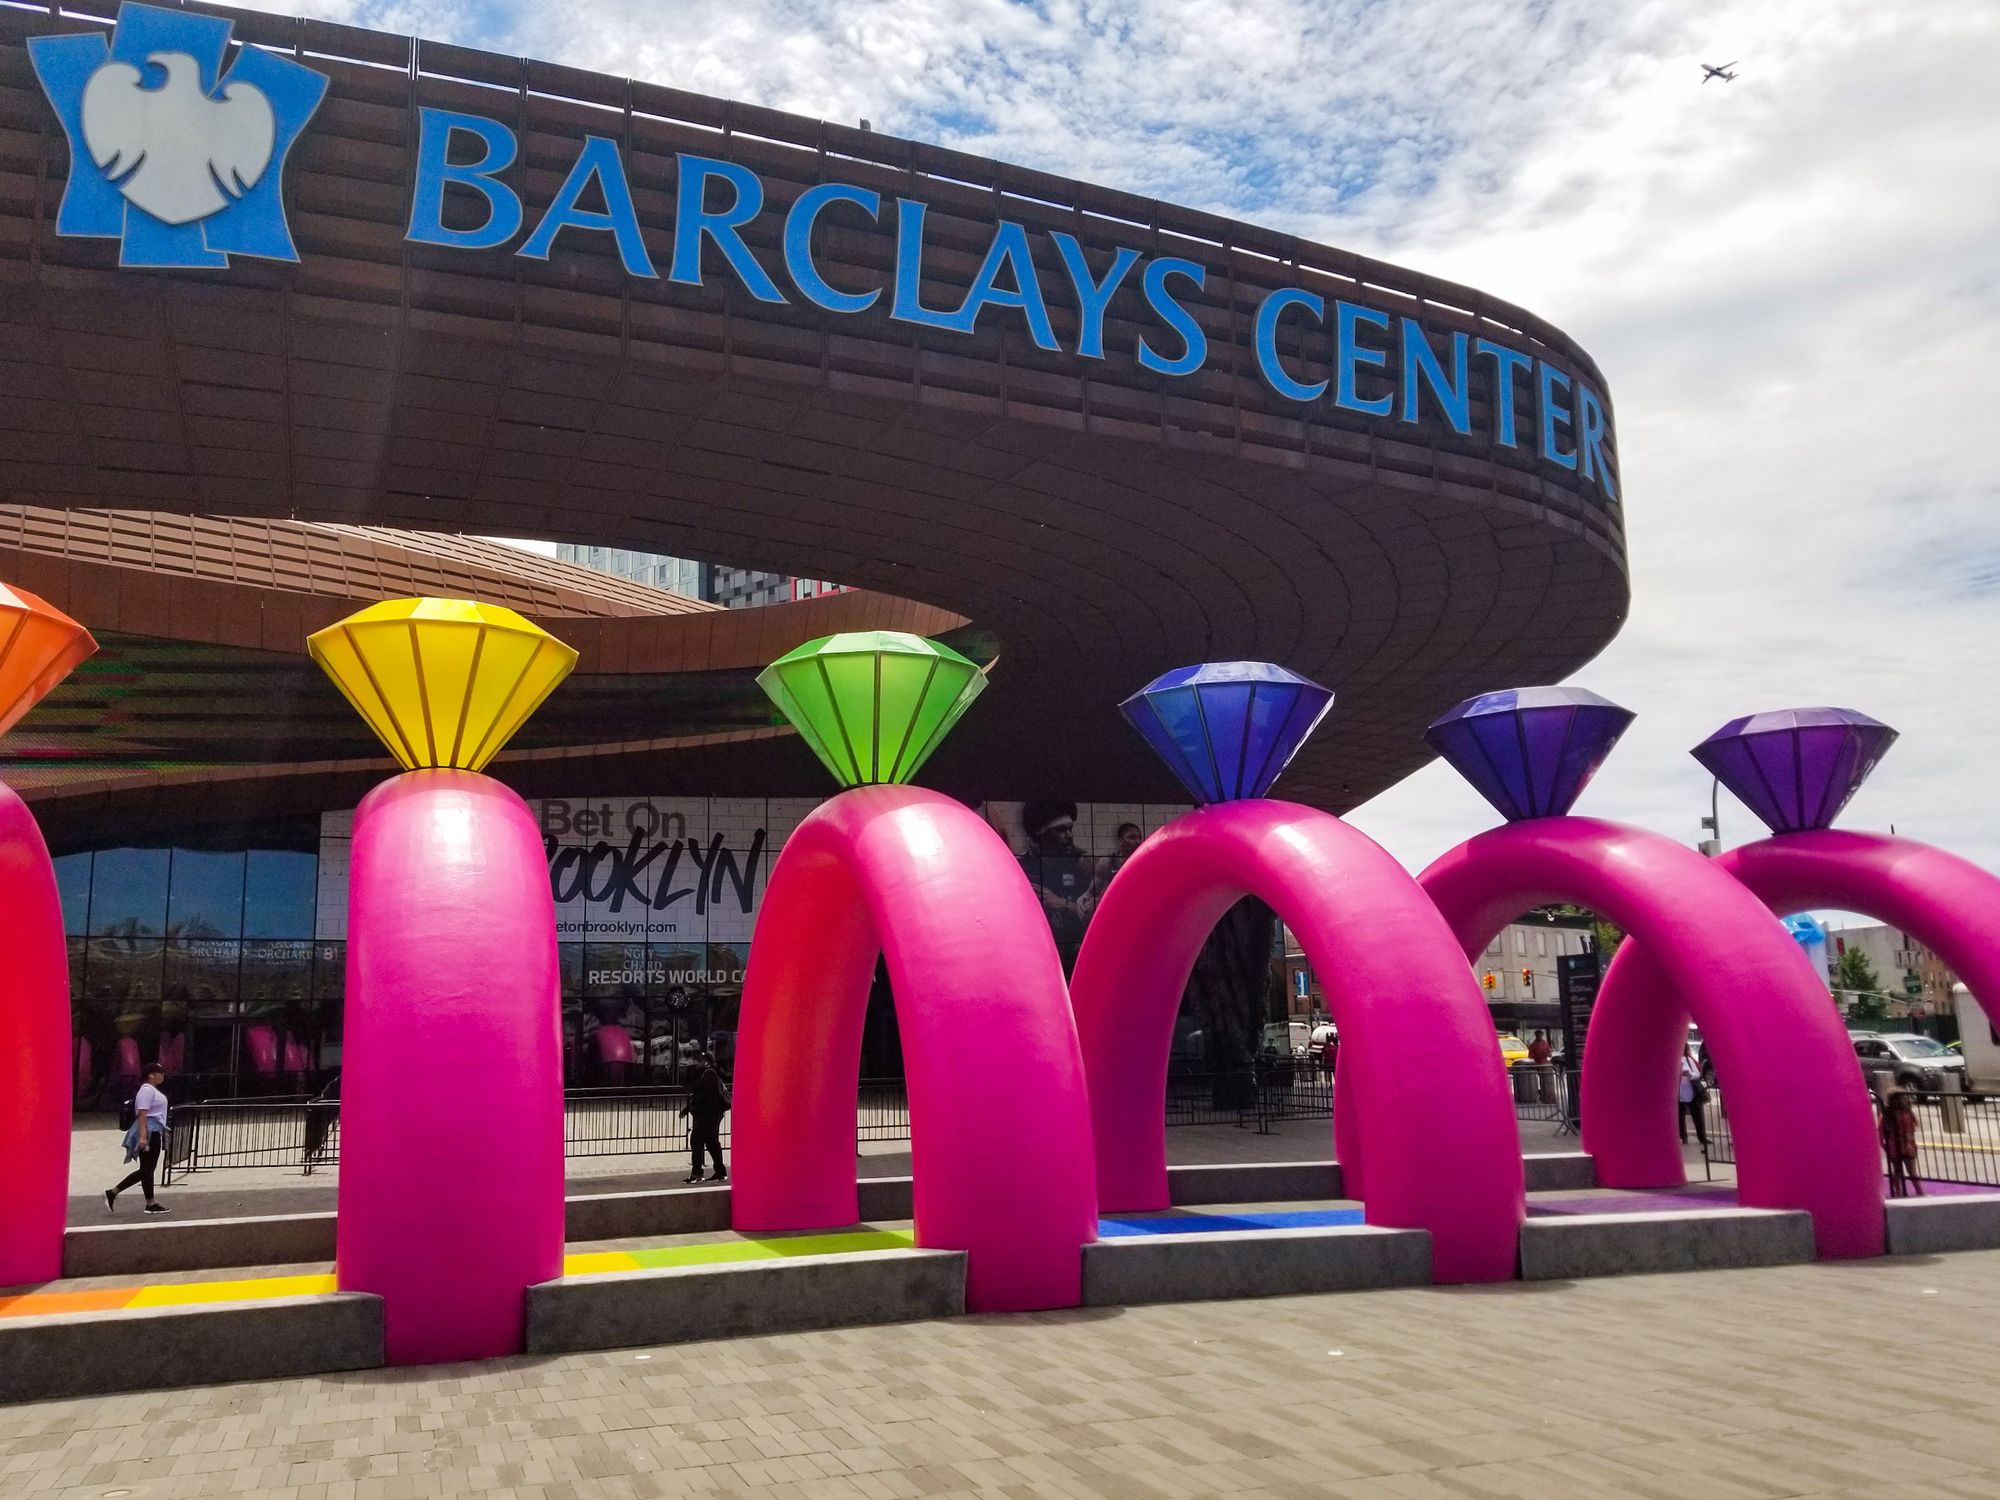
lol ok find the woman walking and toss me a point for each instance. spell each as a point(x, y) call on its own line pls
point(145, 1140)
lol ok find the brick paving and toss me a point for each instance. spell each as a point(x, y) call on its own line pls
point(1866, 1381)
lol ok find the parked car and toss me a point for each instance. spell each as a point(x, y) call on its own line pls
point(1914, 1062)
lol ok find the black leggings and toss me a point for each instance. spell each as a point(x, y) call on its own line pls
point(706, 1134)
point(1694, 1111)
point(148, 1159)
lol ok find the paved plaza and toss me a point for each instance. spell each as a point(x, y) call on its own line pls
point(1866, 1381)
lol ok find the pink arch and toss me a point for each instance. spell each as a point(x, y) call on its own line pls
point(1417, 1061)
point(1953, 905)
point(34, 1053)
point(1804, 1134)
point(999, 1124)
point(451, 1112)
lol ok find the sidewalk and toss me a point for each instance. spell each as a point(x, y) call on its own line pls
point(247, 1192)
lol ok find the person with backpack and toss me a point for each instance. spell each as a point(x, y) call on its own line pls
point(708, 1102)
point(145, 1138)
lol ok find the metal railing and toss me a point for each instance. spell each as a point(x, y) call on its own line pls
point(1958, 1137)
point(1541, 1091)
point(302, 1135)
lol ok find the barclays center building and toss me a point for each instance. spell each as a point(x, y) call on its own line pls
point(293, 314)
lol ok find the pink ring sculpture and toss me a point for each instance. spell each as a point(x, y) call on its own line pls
point(35, 1060)
point(451, 1113)
point(999, 1121)
point(1951, 904)
point(1420, 1077)
point(1805, 1135)
point(39, 644)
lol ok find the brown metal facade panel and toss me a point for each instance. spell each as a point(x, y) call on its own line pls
point(1101, 523)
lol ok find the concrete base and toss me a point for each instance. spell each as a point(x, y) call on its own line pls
point(145, 1247)
point(684, 1303)
point(661, 1211)
point(1254, 1182)
point(1929, 1226)
point(1129, 1270)
point(1569, 1246)
point(1559, 1172)
point(143, 1349)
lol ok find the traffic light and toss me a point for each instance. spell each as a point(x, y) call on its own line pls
point(1491, 981)
point(1527, 979)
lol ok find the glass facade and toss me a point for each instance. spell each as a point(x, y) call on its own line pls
point(202, 959)
point(677, 575)
point(207, 961)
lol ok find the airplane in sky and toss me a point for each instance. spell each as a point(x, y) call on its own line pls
point(1710, 70)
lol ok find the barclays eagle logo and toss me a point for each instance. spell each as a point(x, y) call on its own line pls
point(178, 164)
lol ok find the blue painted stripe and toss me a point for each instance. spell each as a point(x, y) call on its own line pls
point(1301, 1218)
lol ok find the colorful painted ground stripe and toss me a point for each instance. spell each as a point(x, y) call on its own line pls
point(1299, 1218)
point(725, 1251)
point(195, 1293)
point(177, 1294)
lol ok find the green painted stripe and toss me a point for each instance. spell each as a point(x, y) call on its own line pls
point(773, 1248)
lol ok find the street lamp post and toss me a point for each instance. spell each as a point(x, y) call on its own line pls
point(1712, 845)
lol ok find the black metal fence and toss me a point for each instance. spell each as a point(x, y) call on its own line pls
point(1541, 1091)
point(1252, 1097)
point(302, 1135)
point(1958, 1137)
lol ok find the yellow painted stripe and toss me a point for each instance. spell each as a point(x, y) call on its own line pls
point(232, 1291)
point(593, 1262)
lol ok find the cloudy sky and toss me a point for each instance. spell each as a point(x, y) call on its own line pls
point(1792, 283)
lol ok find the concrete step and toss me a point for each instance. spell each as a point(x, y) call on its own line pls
point(680, 1304)
point(1130, 1270)
point(1929, 1226)
point(46, 1357)
point(1568, 1246)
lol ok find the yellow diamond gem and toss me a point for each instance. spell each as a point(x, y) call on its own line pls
point(444, 682)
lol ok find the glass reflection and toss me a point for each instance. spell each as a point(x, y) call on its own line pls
point(280, 894)
point(205, 894)
point(128, 892)
point(73, 886)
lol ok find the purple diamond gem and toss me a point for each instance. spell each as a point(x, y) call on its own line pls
point(1227, 728)
point(1530, 751)
point(1796, 768)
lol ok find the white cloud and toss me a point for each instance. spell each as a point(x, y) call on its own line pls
point(1789, 281)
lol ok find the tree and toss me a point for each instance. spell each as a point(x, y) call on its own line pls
point(1855, 980)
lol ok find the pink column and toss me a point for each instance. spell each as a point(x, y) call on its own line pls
point(1422, 1080)
point(1951, 905)
point(451, 1113)
point(34, 1053)
point(1804, 1132)
point(999, 1123)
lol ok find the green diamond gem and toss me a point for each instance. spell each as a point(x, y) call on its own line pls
point(873, 704)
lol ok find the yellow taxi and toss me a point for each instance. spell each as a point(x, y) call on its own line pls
point(1512, 1049)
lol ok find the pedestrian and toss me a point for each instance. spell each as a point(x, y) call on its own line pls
point(708, 1102)
point(1694, 1098)
point(1899, 1144)
point(144, 1140)
point(1539, 1050)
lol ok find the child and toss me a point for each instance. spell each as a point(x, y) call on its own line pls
point(1899, 1144)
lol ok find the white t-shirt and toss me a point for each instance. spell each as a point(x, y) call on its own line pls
point(1690, 1076)
point(151, 1102)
